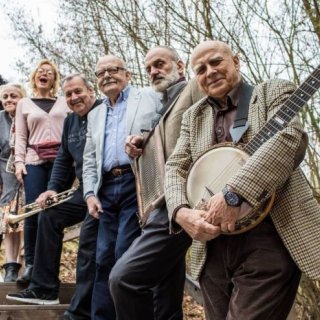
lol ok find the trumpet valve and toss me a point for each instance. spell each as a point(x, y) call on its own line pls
point(49, 201)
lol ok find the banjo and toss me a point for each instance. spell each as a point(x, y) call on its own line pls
point(230, 157)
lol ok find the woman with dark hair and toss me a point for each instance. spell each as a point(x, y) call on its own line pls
point(10, 94)
point(39, 123)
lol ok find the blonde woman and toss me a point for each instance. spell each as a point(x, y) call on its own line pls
point(10, 94)
point(39, 123)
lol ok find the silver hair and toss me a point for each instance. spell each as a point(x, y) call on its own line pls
point(77, 75)
point(174, 52)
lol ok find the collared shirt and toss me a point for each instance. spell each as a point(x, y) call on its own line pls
point(225, 114)
point(70, 155)
point(116, 132)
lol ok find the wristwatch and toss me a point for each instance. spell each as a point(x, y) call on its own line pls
point(232, 199)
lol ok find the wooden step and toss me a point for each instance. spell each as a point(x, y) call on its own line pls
point(65, 293)
point(12, 310)
point(32, 312)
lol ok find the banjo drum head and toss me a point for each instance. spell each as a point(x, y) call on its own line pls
point(212, 171)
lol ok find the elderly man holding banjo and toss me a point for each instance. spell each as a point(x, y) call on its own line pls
point(237, 159)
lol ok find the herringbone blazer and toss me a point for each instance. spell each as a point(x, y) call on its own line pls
point(159, 145)
point(273, 167)
point(170, 123)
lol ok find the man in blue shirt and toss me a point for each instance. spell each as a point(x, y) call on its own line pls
point(109, 183)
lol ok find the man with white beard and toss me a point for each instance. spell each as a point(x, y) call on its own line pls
point(149, 278)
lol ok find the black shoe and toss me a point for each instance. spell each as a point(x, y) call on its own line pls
point(66, 317)
point(32, 297)
point(11, 271)
point(26, 277)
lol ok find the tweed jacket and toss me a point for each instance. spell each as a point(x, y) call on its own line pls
point(158, 146)
point(142, 105)
point(170, 123)
point(273, 167)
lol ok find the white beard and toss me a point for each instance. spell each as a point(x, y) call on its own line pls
point(163, 84)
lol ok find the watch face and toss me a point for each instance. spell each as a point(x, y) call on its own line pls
point(232, 199)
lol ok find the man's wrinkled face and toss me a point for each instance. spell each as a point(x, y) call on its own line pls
point(162, 70)
point(216, 69)
point(79, 97)
point(112, 77)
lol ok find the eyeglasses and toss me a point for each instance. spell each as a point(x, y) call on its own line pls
point(111, 70)
point(43, 71)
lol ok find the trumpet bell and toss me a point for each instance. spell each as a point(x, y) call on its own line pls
point(33, 208)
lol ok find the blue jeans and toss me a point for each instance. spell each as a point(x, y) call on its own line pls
point(118, 227)
point(35, 182)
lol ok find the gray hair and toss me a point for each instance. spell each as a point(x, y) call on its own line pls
point(77, 75)
point(174, 52)
point(18, 86)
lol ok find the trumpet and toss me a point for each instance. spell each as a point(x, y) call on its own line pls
point(34, 208)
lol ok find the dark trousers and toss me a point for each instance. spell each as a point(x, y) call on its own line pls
point(249, 276)
point(147, 282)
point(35, 182)
point(80, 306)
point(118, 227)
point(45, 276)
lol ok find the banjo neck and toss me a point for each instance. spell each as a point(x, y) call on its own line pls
point(286, 113)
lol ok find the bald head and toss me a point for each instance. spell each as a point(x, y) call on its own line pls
point(210, 44)
point(216, 68)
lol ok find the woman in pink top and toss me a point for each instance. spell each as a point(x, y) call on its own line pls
point(39, 122)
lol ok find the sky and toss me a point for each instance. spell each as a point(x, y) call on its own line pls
point(10, 51)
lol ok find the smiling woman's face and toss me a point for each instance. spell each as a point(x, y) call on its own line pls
point(44, 78)
point(9, 98)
